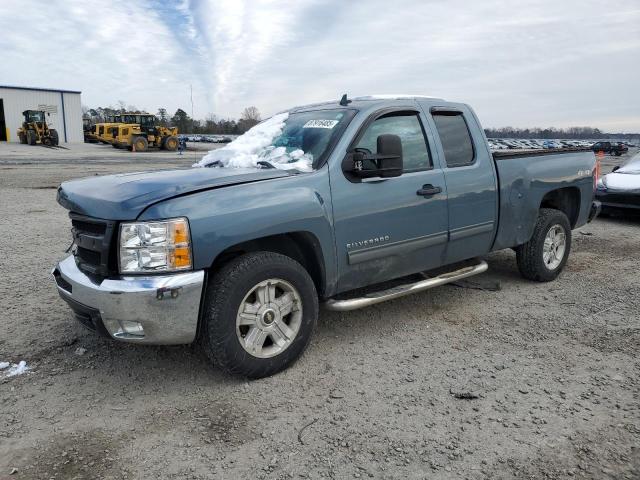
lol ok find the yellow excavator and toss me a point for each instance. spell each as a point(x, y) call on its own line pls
point(35, 129)
point(139, 132)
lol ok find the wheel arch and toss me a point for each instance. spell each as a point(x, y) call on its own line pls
point(303, 247)
point(567, 200)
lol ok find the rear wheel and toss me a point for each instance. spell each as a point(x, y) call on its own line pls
point(171, 143)
point(32, 138)
point(260, 312)
point(140, 144)
point(23, 137)
point(544, 256)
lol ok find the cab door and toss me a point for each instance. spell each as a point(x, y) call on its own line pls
point(472, 185)
point(390, 227)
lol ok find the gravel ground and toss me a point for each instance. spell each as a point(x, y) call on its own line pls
point(550, 371)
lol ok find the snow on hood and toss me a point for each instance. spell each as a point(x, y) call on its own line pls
point(627, 181)
point(257, 145)
point(633, 166)
point(626, 178)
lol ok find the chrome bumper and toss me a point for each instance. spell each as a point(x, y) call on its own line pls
point(153, 309)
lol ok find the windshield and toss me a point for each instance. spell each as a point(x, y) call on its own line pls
point(147, 120)
point(286, 141)
point(35, 116)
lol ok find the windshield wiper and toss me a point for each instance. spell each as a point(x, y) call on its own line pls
point(264, 164)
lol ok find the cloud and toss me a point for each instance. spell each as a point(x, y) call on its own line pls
point(531, 63)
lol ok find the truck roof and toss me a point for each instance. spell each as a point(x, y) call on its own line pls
point(364, 100)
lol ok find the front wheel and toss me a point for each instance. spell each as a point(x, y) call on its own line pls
point(55, 139)
point(32, 137)
point(171, 143)
point(544, 256)
point(140, 144)
point(260, 312)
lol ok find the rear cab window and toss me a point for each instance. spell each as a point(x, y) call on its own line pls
point(455, 138)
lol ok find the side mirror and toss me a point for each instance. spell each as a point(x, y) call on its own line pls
point(386, 163)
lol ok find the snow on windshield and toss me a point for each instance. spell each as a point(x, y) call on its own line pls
point(256, 145)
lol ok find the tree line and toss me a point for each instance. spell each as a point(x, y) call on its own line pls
point(210, 125)
point(573, 133)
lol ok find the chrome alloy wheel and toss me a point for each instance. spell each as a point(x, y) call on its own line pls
point(555, 245)
point(269, 318)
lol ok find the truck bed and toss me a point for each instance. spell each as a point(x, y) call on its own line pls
point(526, 179)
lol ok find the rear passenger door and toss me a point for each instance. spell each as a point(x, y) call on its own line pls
point(469, 173)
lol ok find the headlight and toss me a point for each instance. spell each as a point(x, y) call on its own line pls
point(159, 246)
point(601, 185)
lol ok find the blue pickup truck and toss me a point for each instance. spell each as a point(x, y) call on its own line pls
point(343, 204)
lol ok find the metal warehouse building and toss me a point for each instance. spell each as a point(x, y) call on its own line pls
point(62, 106)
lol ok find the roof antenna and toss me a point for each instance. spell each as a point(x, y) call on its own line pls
point(344, 101)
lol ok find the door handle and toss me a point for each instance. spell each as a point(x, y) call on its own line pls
point(428, 190)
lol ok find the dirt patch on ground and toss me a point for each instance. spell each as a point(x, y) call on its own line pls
point(78, 455)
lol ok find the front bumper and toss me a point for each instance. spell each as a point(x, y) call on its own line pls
point(153, 309)
point(618, 199)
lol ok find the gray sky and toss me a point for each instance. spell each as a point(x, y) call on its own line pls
point(521, 63)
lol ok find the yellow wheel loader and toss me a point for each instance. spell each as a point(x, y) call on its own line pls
point(89, 131)
point(35, 129)
point(143, 134)
point(104, 131)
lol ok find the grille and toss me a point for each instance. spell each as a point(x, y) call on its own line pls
point(93, 239)
point(96, 228)
point(88, 256)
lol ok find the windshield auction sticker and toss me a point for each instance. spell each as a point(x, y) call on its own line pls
point(320, 124)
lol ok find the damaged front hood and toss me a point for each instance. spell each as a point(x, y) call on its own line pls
point(125, 196)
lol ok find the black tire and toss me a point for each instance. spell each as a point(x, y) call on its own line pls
point(55, 139)
point(530, 255)
point(225, 293)
point(170, 143)
point(141, 144)
point(32, 138)
point(23, 138)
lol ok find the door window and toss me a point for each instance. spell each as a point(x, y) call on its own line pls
point(407, 126)
point(455, 138)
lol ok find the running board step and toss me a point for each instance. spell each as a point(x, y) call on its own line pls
point(407, 289)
